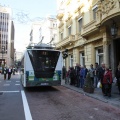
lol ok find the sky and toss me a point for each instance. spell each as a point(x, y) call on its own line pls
point(24, 12)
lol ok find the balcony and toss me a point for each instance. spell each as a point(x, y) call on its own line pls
point(89, 29)
point(60, 14)
point(66, 41)
point(108, 10)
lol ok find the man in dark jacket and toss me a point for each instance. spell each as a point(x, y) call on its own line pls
point(64, 72)
point(9, 71)
point(77, 75)
point(5, 72)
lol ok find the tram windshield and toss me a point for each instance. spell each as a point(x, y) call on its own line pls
point(44, 62)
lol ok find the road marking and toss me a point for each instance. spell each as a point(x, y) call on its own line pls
point(8, 81)
point(9, 91)
point(17, 81)
point(91, 117)
point(26, 107)
point(6, 84)
point(95, 108)
point(17, 84)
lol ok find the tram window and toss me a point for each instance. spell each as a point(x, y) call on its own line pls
point(43, 61)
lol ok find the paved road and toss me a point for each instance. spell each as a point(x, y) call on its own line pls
point(61, 103)
point(51, 103)
point(11, 105)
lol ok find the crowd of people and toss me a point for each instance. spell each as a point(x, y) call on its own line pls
point(76, 76)
point(7, 71)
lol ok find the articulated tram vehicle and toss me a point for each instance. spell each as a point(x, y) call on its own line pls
point(41, 65)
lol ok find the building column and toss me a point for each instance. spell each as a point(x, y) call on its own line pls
point(106, 49)
point(76, 56)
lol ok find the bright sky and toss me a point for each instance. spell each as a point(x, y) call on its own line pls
point(25, 11)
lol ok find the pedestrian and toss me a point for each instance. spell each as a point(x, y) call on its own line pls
point(100, 76)
point(9, 71)
point(107, 82)
point(82, 76)
point(77, 75)
point(86, 70)
point(13, 70)
point(5, 72)
point(72, 76)
point(67, 76)
point(96, 73)
point(91, 72)
point(63, 72)
point(117, 74)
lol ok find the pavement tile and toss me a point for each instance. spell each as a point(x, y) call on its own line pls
point(113, 100)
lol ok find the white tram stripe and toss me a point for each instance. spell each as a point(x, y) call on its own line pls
point(26, 106)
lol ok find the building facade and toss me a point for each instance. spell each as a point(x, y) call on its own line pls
point(90, 31)
point(48, 30)
point(34, 34)
point(6, 37)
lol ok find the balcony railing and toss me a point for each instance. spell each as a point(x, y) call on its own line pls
point(65, 41)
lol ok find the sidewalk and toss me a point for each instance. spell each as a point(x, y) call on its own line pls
point(113, 100)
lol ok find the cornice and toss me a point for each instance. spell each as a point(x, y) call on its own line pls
point(107, 6)
point(79, 8)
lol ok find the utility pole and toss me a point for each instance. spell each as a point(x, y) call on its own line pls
point(3, 50)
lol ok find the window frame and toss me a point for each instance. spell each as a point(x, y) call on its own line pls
point(80, 24)
point(94, 9)
point(69, 30)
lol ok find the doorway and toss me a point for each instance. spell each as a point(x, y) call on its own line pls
point(117, 51)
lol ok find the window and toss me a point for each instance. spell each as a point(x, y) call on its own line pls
point(61, 36)
point(80, 24)
point(71, 60)
point(99, 55)
point(69, 30)
point(44, 62)
point(94, 11)
point(82, 58)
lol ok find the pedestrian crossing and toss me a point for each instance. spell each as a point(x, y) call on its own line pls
point(8, 83)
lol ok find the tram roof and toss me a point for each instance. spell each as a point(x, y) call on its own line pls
point(40, 46)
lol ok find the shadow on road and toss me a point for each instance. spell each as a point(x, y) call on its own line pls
point(41, 89)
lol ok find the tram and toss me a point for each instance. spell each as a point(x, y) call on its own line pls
point(41, 65)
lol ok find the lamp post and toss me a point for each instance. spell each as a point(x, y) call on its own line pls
point(114, 29)
point(3, 50)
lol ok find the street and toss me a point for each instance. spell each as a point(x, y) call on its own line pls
point(50, 103)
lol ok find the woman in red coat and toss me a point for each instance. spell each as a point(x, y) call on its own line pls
point(107, 82)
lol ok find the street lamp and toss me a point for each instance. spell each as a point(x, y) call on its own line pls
point(114, 29)
point(3, 50)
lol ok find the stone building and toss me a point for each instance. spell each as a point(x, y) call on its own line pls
point(44, 31)
point(90, 31)
point(7, 33)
